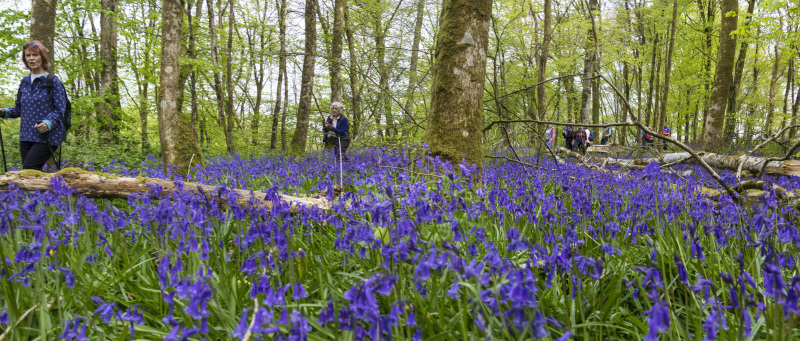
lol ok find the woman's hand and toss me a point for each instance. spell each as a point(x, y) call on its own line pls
point(41, 127)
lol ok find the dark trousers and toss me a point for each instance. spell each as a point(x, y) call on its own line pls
point(342, 143)
point(35, 154)
point(568, 142)
point(604, 140)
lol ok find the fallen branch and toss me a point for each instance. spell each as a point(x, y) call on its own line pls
point(104, 185)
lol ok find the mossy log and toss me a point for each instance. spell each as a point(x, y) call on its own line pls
point(105, 185)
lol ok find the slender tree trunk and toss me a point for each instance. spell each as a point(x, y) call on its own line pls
point(768, 124)
point(541, 96)
point(109, 89)
point(787, 94)
point(456, 119)
point(668, 65)
point(354, 86)
point(273, 139)
point(573, 103)
point(43, 24)
point(708, 14)
point(588, 69)
point(795, 113)
point(285, 105)
point(307, 83)
point(229, 112)
point(178, 146)
point(648, 113)
point(193, 55)
point(221, 107)
point(733, 106)
point(336, 50)
point(412, 69)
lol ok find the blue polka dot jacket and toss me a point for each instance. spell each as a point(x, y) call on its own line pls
point(34, 104)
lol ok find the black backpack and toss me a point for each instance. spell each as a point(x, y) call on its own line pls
point(48, 84)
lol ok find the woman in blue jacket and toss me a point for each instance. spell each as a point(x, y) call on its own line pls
point(41, 109)
point(337, 131)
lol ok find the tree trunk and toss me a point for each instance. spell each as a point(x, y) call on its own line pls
point(456, 119)
point(412, 69)
point(708, 14)
point(588, 69)
point(354, 87)
point(43, 24)
point(193, 55)
point(771, 111)
point(273, 139)
point(541, 96)
point(733, 105)
point(648, 113)
point(336, 50)
point(307, 83)
point(229, 112)
point(110, 186)
point(285, 103)
point(221, 106)
point(723, 78)
point(668, 66)
point(178, 146)
point(109, 88)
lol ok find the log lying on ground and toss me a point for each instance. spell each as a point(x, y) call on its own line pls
point(748, 163)
point(104, 185)
point(611, 148)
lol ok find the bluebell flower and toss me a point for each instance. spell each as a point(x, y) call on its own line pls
point(658, 320)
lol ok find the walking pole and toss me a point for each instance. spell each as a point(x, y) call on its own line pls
point(3, 147)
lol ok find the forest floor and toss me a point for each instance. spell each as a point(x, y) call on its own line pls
point(411, 249)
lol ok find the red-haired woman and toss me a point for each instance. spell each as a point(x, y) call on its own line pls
point(40, 108)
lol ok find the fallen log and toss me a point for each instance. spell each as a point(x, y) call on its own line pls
point(105, 185)
point(611, 148)
point(731, 162)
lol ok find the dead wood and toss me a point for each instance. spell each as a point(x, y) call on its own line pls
point(110, 186)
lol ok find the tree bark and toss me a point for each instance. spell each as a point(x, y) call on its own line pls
point(588, 68)
point(355, 89)
point(273, 139)
point(336, 50)
point(221, 103)
point(110, 186)
point(456, 119)
point(541, 96)
point(307, 83)
point(733, 104)
point(413, 64)
point(668, 65)
point(178, 146)
point(229, 112)
point(109, 88)
point(648, 113)
point(43, 24)
point(193, 55)
point(771, 111)
point(723, 78)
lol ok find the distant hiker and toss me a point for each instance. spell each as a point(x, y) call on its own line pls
point(666, 132)
point(569, 135)
point(40, 108)
point(606, 134)
point(579, 142)
point(646, 138)
point(550, 135)
point(336, 131)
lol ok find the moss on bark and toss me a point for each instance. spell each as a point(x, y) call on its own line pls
point(455, 128)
